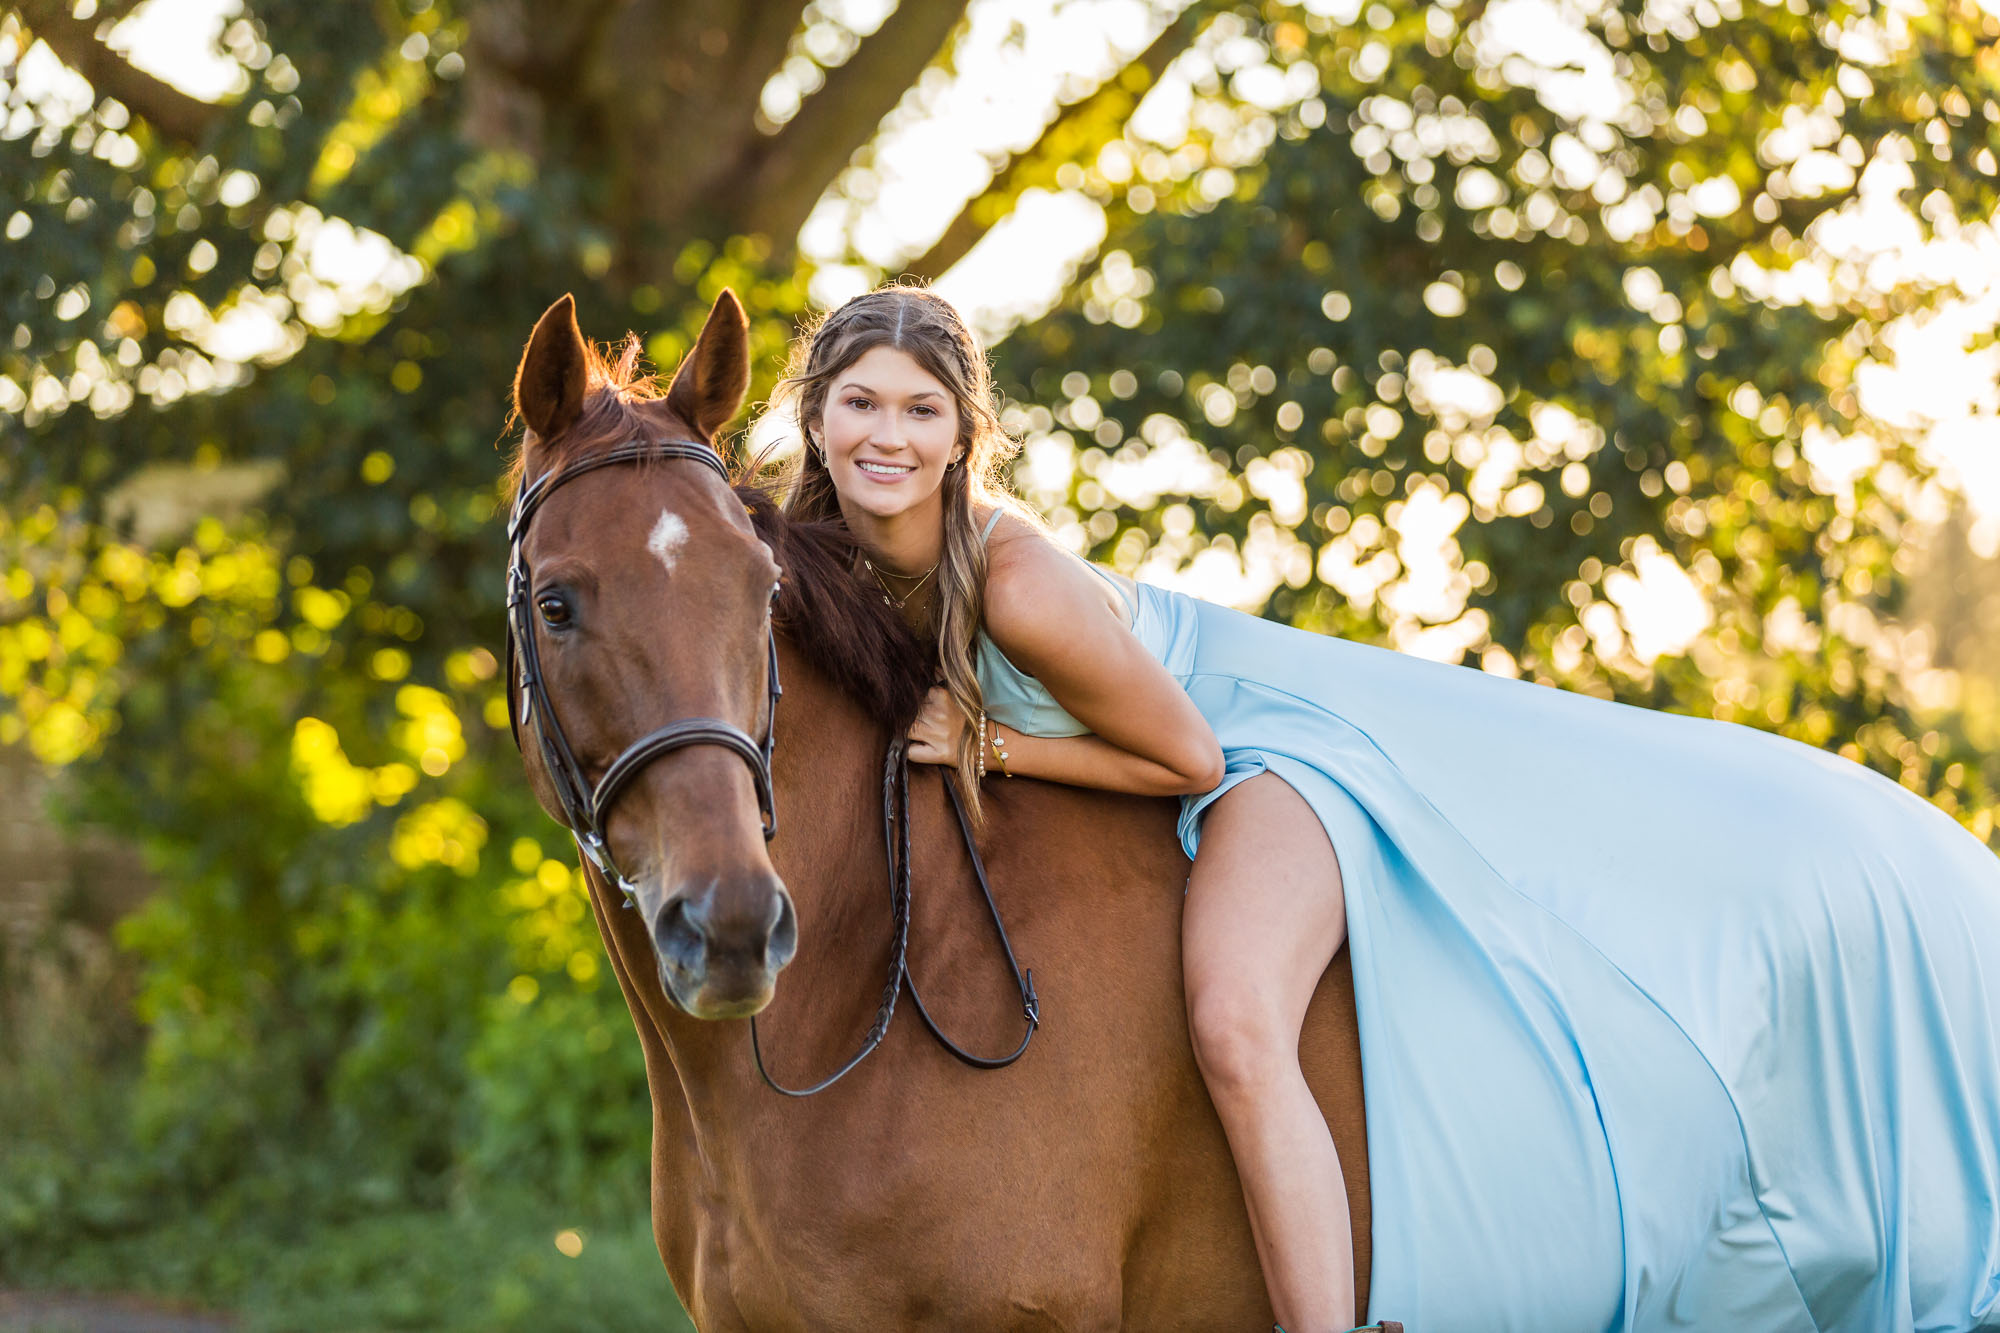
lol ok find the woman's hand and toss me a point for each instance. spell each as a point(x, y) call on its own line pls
point(935, 733)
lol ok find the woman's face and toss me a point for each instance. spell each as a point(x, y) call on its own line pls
point(889, 427)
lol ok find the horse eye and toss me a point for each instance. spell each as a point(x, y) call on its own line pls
point(555, 610)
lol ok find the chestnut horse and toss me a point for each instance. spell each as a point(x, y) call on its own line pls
point(1088, 1185)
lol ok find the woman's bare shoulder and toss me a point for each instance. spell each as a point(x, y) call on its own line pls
point(1019, 552)
point(1014, 539)
point(1033, 583)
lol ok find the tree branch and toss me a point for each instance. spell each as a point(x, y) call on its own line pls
point(671, 97)
point(75, 41)
point(1114, 99)
point(763, 33)
point(797, 164)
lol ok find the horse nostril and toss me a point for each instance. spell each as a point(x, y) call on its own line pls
point(681, 936)
point(783, 940)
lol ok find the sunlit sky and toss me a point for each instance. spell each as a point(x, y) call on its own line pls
point(1021, 57)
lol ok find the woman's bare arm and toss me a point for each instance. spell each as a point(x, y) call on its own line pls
point(1047, 613)
point(1092, 761)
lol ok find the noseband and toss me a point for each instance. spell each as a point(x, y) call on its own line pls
point(585, 808)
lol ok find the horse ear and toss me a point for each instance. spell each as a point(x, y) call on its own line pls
point(549, 386)
point(710, 384)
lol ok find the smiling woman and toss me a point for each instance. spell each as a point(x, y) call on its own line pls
point(894, 401)
point(904, 445)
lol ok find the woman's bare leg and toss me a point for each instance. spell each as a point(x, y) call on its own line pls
point(1265, 914)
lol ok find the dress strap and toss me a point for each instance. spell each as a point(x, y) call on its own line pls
point(1131, 606)
point(991, 520)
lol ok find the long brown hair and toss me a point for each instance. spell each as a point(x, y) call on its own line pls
point(919, 322)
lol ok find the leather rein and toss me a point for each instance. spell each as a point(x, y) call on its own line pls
point(587, 808)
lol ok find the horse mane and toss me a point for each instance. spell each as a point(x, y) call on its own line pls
point(837, 623)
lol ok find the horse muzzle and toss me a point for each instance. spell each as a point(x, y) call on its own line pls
point(721, 946)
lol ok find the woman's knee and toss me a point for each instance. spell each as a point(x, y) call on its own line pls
point(1242, 1040)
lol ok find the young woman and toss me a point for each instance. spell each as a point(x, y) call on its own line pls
point(1044, 673)
point(1667, 1023)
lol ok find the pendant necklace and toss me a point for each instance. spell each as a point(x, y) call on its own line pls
point(888, 594)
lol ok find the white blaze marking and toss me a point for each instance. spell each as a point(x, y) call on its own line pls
point(667, 537)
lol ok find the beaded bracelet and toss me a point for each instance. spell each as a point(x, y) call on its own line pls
point(982, 746)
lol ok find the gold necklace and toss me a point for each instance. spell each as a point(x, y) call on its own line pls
point(888, 594)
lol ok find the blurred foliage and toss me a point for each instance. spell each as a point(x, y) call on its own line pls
point(1471, 348)
point(249, 595)
point(1397, 314)
point(292, 1245)
point(498, 1267)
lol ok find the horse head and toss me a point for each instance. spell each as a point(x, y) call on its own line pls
point(640, 601)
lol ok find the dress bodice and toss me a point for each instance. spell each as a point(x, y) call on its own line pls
point(1016, 699)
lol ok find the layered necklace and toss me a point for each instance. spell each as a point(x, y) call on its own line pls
point(889, 593)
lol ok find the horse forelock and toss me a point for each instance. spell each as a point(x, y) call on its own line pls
point(618, 407)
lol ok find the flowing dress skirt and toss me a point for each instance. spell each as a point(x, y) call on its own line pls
point(1666, 1023)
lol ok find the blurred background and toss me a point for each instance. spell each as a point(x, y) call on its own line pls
point(1646, 349)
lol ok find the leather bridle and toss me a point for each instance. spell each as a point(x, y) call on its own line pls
point(587, 809)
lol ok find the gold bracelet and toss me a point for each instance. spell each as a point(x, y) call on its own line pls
point(1000, 749)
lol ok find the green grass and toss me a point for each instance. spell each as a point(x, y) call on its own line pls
point(493, 1267)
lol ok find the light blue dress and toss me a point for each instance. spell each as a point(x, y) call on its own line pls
point(1666, 1023)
